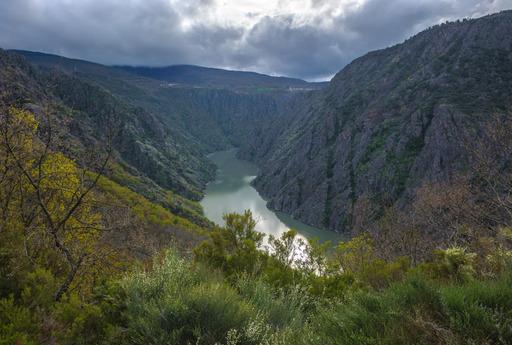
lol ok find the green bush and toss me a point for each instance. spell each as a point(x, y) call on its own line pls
point(176, 304)
point(235, 294)
point(481, 309)
point(16, 324)
point(454, 264)
point(281, 308)
point(419, 311)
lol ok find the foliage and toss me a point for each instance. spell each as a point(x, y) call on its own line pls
point(176, 304)
point(233, 248)
point(419, 312)
point(454, 264)
point(48, 207)
point(62, 237)
point(60, 267)
point(143, 209)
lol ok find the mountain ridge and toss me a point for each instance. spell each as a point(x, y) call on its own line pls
point(387, 122)
point(218, 77)
point(184, 74)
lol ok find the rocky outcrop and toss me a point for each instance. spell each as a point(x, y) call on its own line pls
point(388, 121)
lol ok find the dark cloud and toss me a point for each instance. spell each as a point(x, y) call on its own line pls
point(313, 51)
point(164, 32)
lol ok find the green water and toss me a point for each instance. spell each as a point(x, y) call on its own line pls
point(232, 192)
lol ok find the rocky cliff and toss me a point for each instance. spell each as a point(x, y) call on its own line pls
point(388, 121)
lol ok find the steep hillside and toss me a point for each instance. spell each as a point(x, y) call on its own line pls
point(388, 121)
point(148, 158)
point(164, 132)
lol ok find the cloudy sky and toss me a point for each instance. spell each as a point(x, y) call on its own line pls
point(311, 39)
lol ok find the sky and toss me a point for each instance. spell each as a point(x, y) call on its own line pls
point(309, 39)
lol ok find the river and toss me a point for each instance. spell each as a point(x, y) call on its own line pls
point(231, 191)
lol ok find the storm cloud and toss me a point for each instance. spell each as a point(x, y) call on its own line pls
point(311, 39)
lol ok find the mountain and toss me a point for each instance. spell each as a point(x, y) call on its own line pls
point(164, 132)
point(419, 134)
point(386, 123)
point(220, 78)
point(205, 118)
point(150, 158)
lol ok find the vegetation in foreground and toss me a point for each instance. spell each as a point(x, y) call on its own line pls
point(73, 270)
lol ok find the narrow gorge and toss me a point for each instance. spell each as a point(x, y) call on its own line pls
point(388, 122)
point(359, 193)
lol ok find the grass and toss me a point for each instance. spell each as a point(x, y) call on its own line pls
point(418, 311)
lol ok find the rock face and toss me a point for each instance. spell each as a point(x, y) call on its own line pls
point(388, 121)
point(163, 133)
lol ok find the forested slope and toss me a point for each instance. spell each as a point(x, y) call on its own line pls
point(209, 116)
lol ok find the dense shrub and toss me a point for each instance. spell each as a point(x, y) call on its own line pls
point(176, 303)
point(420, 312)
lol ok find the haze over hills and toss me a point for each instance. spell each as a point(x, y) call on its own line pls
point(184, 75)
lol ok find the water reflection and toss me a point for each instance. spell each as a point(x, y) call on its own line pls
point(231, 192)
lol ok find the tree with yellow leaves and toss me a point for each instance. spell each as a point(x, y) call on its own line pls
point(47, 203)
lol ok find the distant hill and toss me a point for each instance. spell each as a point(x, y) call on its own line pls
point(199, 117)
point(180, 75)
point(220, 78)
